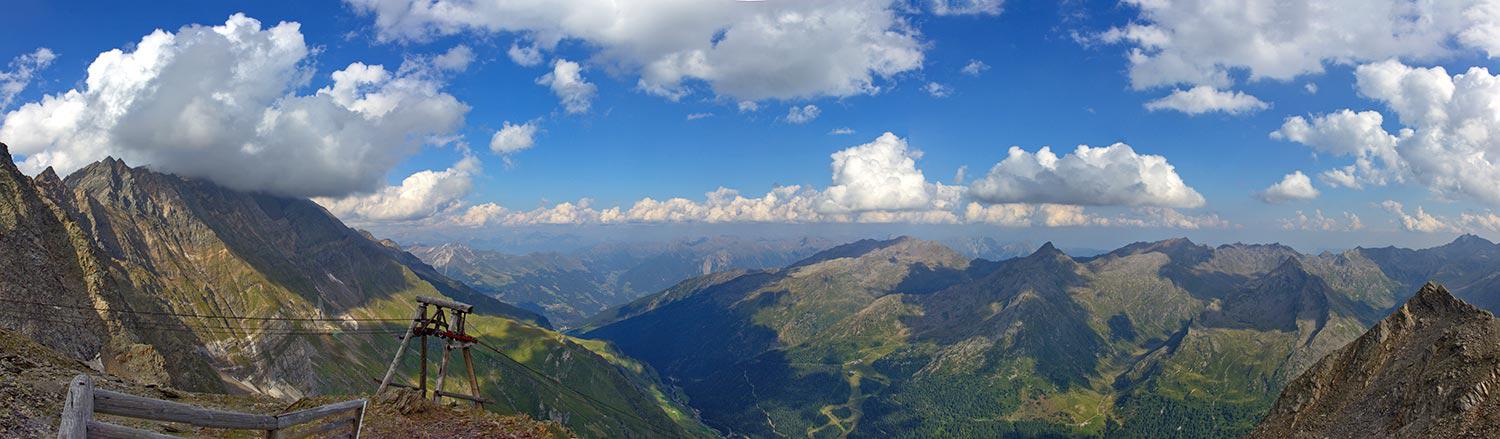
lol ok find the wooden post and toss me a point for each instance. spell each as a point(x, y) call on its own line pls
point(473, 382)
point(422, 383)
point(396, 361)
point(78, 410)
point(442, 371)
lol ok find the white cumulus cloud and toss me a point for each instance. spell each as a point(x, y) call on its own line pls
point(514, 138)
point(881, 175)
point(1346, 133)
point(740, 50)
point(1111, 175)
point(1204, 99)
point(1200, 41)
point(421, 195)
point(566, 81)
point(1449, 143)
point(1418, 221)
point(1293, 187)
point(221, 103)
point(456, 59)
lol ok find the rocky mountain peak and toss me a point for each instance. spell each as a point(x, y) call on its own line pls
point(1435, 301)
point(1427, 370)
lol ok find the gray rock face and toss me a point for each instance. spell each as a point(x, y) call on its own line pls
point(1427, 370)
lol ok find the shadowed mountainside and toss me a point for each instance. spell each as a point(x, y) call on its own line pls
point(907, 338)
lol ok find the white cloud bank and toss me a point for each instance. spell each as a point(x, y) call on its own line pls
point(221, 103)
point(1293, 187)
point(421, 195)
point(1199, 42)
point(745, 51)
point(1113, 175)
point(875, 182)
point(1450, 142)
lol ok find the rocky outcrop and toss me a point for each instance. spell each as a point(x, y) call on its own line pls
point(1430, 369)
point(42, 259)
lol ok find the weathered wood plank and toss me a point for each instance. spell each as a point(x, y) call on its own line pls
point(396, 361)
point(103, 430)
point(442, 373)
point(335, 424)
point(312, 414)
point(445, 303)
point(478, 399)
point(473, 382)
point(359, 420)
point(121, 404)
point(78, 410)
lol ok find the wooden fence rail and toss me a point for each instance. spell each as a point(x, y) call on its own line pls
point(84, 401)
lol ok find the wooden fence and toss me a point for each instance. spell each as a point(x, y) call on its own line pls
point(84, 401)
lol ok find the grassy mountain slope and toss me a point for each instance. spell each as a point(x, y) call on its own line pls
point(905, 338)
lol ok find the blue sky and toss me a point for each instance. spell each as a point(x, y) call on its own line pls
point(1054, 78)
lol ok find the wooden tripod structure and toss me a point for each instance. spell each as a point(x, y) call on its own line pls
point(446, 323)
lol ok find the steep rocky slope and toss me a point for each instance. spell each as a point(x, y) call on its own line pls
point(208, 289)
point(1427, 371)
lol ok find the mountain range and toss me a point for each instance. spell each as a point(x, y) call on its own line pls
point(909, 338)
point(569, 287)
point(177, 282)
point(180, 282)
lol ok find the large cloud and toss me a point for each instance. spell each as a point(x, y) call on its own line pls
point(1200, 41)
point(1450, 142)
point(220, 103)
point(882, 175)
point(1111, 175)
point(421, 195)
point(741, 50)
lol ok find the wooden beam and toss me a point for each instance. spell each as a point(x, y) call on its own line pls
point(445, 303)
point(78, 410)
point(102, 430)
point(477, 399)
point(304, 416)
point(473, 382)
point(396, 361)
point(335, 424)
point(121, 404)
point(422, 376)
point(442, 373)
